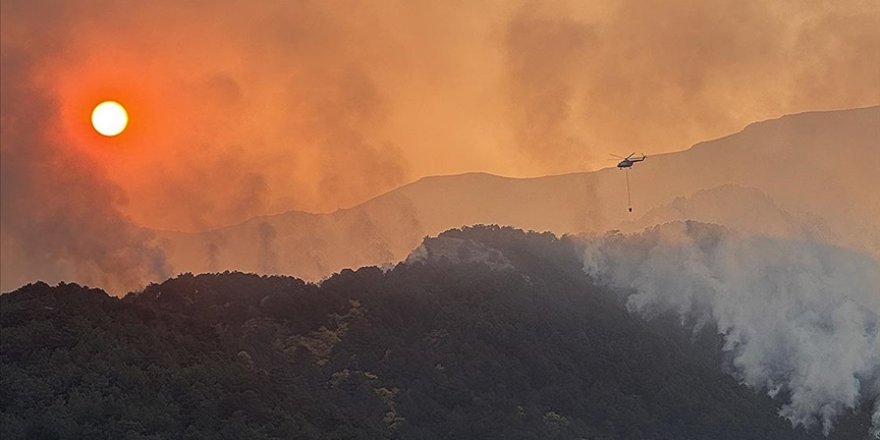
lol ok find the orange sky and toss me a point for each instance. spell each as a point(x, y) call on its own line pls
point(247, 108)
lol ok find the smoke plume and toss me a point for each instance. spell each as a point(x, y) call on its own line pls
point(59, 217)
point(799, 319)
point(246, 109)
point(242, 109)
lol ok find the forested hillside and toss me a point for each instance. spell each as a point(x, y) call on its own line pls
point(487, 333)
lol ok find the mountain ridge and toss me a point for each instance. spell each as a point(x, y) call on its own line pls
point(439, 177)
point(387, 227)
point(523, 344)
point(437, 348)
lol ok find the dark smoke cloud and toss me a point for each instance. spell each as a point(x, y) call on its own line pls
point(349, 160)
point(60, 218)
point(255, 108)
point(546, 55)
point(267, 259)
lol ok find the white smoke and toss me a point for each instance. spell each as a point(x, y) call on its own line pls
point(875, 421)
point(797, 317)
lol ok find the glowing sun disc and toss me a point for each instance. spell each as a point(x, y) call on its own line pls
point(109, 118)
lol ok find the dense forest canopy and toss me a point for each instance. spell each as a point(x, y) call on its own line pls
point(484, 333)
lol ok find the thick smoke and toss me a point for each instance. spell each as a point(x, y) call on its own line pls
point(545, 51)
point(633, 75)
point(242, 109)
point(252, 108)
point(799, 319)
point(237, 110)
point(875, 421)
point(266, 256)
point(59, 217)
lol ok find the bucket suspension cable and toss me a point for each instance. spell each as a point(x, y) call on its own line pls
point(629, 203)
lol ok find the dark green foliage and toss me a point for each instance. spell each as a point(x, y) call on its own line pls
point(430, 350)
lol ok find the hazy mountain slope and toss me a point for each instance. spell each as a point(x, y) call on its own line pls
point(820, 165)
point(445, 346)
point(724, 205)
point(823, 163)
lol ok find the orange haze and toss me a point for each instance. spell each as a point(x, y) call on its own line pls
point(247, 108)
point(241, 109)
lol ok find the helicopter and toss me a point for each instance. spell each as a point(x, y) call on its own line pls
point(628, 161)
point(625, 164)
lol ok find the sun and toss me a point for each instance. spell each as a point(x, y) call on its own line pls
point(109, 118)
